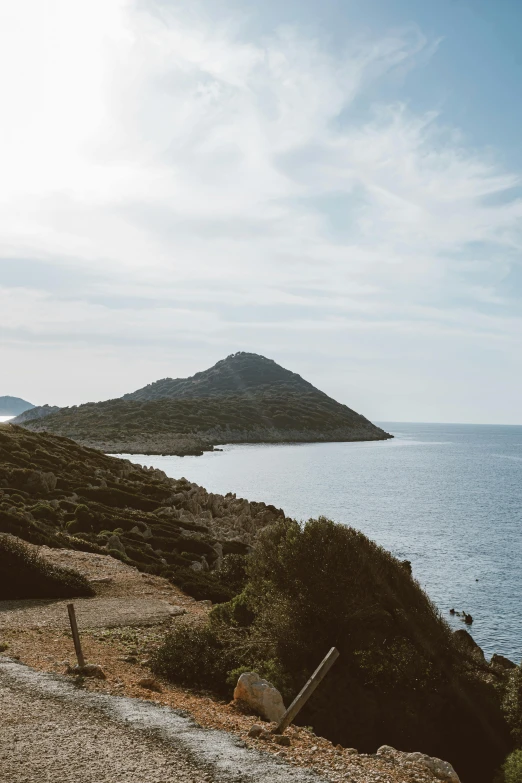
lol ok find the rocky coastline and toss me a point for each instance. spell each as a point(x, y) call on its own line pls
point(182, 445)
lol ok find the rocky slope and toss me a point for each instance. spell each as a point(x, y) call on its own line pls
point(55, 492)
point(243, 399)
point(36, 412)
point(12, 406)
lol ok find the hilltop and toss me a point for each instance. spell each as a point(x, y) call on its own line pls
point(12, 406)
point(242, 399)
point(239, 374)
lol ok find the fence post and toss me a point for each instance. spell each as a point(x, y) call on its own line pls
point(305, 693)
point(76, 635)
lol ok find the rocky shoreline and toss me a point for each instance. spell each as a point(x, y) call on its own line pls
point(182, 445)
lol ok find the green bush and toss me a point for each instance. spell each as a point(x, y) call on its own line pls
point(24, 574)
point(202, 585)
point(43, 511)
point(512, 704)
point(512, 769)
point(233, 572)
point(400, 679)
point(195, 656)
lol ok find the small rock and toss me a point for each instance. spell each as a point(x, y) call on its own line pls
point(282, 739)
point(150, 684)
point(176, 611)
point(3, 646)
point(255, 731)
point(89, 670)
point(129, 659)
point(145, 662)
point(206, 602)
point(385, 750)
point(351, 751)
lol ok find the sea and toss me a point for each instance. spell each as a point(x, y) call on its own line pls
point(447, 497)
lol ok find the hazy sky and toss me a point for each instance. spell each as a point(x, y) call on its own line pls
point(333, 184)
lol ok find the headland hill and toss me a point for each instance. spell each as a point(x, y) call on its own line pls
point(13, 406)
point(245, 398)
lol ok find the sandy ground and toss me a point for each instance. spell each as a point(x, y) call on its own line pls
point(127, 621)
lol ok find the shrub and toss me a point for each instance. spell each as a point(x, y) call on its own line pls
point(233, 572)
point(43, 511)
point(196, 656)
point(512, 769)
point(24, 574)
point(512, 704)
point(201, 585)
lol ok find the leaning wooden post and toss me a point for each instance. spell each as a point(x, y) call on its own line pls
point(76, 635)
point(303, 695)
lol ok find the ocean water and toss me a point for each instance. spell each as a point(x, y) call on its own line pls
point(447, 497)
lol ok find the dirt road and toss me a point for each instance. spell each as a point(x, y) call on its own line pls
point(54, 732)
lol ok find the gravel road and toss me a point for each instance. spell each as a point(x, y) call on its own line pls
point(54, 732)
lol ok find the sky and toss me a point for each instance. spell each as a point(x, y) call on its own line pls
point(333, 184)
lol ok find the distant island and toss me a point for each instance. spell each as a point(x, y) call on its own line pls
point(12, 406)
point(245, 398)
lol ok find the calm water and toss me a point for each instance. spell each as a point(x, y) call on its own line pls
point(446, 497)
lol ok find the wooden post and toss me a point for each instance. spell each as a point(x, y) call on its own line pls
point(76, 635)
point(303, 695)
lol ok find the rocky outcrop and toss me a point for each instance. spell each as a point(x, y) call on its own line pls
point(468, 644)
point(442, 770)
point(38, 412)
point(260, 696)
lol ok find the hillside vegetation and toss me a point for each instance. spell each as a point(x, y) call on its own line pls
point(24, 574)
point(401, 679)
point(243, 399)
point(55, 492)
point(285, 592)
point(238, 374)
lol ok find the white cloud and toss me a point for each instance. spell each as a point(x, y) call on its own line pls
point(193, 169)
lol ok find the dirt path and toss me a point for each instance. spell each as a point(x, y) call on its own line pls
point(53, 731)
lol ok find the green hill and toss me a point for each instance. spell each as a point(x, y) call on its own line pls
point(242, 399)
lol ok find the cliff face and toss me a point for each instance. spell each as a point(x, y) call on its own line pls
point(243, 399)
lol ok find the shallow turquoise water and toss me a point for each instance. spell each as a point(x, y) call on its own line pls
point(447, 497)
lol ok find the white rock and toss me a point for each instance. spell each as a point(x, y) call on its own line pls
point(441, 769)
point(260, 695)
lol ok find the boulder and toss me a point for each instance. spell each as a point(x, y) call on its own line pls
point(468, 644)
point(260, 695)
point(113, 542)
point(441, 769)
point(501, 662)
